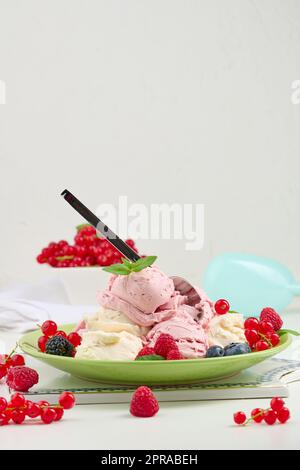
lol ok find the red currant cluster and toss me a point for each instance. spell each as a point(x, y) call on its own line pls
point(276, 412)
point(88, 250)
point(10, 360)
point(17, 409)
point(49, 329)
point(260, 335)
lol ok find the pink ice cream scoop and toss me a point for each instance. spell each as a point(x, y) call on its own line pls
point(203, 309)
point(139, 295)
point(149, 296)
point(190, 337)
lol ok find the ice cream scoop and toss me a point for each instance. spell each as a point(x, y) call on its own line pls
point(146, 290)
point(139, 295)
point(104, 346)
point(203, 309)
point(190, 337)
point(226, 329)
point(110, 321)
point(149, 297)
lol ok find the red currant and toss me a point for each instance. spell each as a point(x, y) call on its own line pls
point(3, 419)
point(33, 410)
point(43, 403)
point(79, 241)
point(84, 264)
point(3, 358)
point(102, 260)
point(18, 416)
point(265, 327)
point(257, 415)
point(130, 242)
point(17, 400)
point(283, 415)
point(261, 346)
point(109, 255)
point(46, 252)
point(90, 260)
point(69, 250)
point(251, 323)
point(62, 243)
point(61, 333)
point(222, 306)
point(270, 417)
point(239, 417)
point(65, 263)
point(48, 415)
point(42, 343)
point(74, 338)
point(17, 360)
point(49, 328)
point(52, 261)
point(52, 247)
point(41, 259)
point(67, 400)
point(274, 338)
point(104, 244)
point(252, 336)
point(277, 403)
point(89, 240)
point(87, 230)
point(3, 404)
point(3, 371)
point(81, 251)
point(59, 414)
point(8, 362)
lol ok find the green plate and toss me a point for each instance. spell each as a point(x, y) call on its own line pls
point(149, 372)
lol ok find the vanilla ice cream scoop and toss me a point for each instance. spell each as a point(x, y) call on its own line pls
point(111, 321)
point(105, 346)
point(226, 329)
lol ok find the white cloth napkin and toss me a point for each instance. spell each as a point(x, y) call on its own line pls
point(25, 306)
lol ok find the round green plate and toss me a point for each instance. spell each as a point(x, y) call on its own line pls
point(149, 372)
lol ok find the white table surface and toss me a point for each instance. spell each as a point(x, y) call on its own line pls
point(181, 425)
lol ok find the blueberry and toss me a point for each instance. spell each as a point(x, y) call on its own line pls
point(215, 351)
point(234, 349)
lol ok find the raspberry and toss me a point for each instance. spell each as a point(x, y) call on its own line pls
point(146, 351)
point(143, 403)
point(268, 314)
point(21, 378)
point(164, 344)
point(174, 355)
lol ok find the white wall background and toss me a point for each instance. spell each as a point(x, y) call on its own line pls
point(160, 100)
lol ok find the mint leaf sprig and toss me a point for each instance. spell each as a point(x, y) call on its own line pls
point(127, 267)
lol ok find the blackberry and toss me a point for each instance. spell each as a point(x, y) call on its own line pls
point(59, 346)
